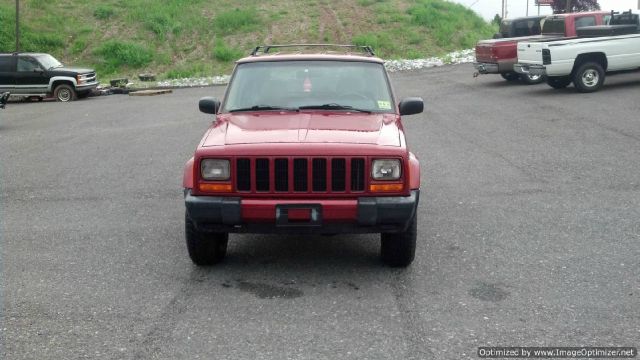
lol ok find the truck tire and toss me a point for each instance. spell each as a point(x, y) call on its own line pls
point(532, 79)
point(64, 93)
point(559, 82)
point(589, 77)
point(399, 249)
point(204, 248)
point(510, 76)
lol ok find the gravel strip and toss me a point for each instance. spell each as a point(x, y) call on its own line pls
point(456, 57)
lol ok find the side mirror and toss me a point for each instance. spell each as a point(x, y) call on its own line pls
point(209, 105)
point(410, 106)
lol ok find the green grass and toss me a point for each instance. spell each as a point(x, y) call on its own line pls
point(237, 20)
point(114, 55)
point(103, 12)
point(181, 38)
point(222, 52)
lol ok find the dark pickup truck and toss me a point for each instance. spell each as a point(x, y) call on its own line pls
point(523, 26)
point(498, 56)
point(41, 75)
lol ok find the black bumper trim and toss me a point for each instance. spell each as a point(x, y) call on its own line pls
point(374, 214)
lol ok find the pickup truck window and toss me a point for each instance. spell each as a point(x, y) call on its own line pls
point(504, 28)
point(299, 84)
point(6, 64)
point(585, 21)
point(522, 28)
point(553, 26)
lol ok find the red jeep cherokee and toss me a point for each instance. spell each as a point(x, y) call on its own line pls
point(304, 143)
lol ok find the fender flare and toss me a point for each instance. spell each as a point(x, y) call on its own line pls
point(61, 78)
point(187, 178)
point(414, 172)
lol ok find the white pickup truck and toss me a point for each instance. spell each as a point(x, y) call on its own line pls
point(584, 60)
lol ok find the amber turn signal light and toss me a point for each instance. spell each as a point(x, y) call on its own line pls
point(216, 187)
point(386, 187)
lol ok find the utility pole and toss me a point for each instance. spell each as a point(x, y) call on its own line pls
point(568, 6)
point(502, 14)
point(527, 7)
point(17, 25)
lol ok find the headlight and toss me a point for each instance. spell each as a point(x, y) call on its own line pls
point(386, 169)
point(215, 169)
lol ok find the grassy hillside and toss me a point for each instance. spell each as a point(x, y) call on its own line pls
point(182, 38)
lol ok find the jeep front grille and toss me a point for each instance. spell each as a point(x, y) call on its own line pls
point(300, 174)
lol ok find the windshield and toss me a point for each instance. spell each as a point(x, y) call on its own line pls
point(323, 84)
point(553, 26)
point(48, 61)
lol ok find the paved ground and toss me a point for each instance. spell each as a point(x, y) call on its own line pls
point(529, 234)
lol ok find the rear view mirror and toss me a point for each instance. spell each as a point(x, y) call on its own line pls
point(410, 106)
point(209, 105)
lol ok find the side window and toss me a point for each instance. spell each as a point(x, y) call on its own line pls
point(534, 26)
point(521, 28)
point(6, 64)
point(28, 64)
point(585, 21)
point(606, 19)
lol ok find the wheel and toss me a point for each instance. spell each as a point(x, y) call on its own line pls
point(64, 93)
point(558, 82)
point(589, 77)
point(399, 249)
point(204, 248)
point(532, 79)
point(510, 76)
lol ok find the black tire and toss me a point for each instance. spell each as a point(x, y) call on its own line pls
point(532, 79)
point(64, 93)
point(510, 76)
point(558, 82)
point(204, 248)
point(589, 77)
point(399, 249)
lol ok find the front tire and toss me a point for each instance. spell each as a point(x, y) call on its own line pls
point(204, 248)
point(589, 77)
point(65, 93)
point(510, 76)
point(399, 249)
point(558, 82)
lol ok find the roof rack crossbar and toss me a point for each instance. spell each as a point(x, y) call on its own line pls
point(264, 49)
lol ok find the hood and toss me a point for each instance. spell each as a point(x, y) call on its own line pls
point(73, 70)
point(285, 127)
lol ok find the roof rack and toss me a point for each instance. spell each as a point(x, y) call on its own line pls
point(264, 49)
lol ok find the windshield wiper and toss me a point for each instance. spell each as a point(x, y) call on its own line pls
point(334, 106)
point(264, 107)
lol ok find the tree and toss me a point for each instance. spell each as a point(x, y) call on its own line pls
point(560, 6)
point(496, 20)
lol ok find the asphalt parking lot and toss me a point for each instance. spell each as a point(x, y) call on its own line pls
point(529, 234)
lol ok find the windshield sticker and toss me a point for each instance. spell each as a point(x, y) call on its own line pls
point(386, 105)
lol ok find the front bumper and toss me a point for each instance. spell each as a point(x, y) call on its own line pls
point(87, 87)
point(364, 215)
point(530, 69)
